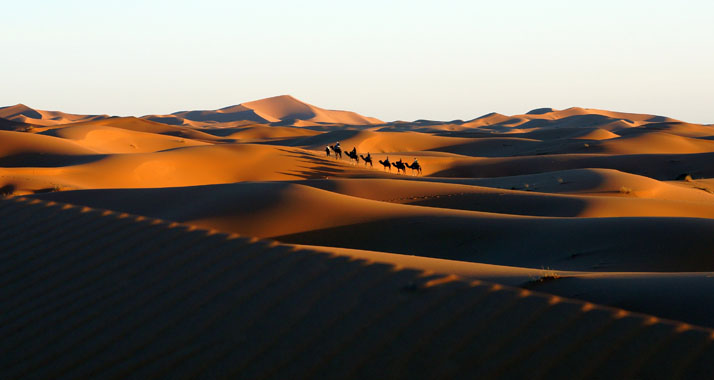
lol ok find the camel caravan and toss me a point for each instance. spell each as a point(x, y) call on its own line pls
point(400, 165)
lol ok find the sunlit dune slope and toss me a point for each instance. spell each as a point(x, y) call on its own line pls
point(190, 166)
point(110, 140)
point(140, 125)
point(257, 133)
point(285, 108)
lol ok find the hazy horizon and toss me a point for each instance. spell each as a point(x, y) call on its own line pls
point(393, 61)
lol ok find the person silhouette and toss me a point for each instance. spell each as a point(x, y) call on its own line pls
point(327, 151)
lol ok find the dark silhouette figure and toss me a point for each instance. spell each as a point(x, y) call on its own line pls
point(353, 155)
point(327, 151)
point(367, 160)
point(414, 166)
point(400, 166)
point(386, 164)
point(337, 150)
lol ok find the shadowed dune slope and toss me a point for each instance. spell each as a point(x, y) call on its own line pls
point(118, 296)
point(681, 296)
point(9, 125)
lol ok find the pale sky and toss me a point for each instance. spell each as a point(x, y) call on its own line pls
point(406, 60)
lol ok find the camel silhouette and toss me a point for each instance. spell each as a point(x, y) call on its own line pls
point(413, 167)
point(367, 160)
point(400, 166)
point(353, 155)
point(337, 150)
point(386, 164)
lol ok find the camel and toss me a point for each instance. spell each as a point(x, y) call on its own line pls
point(337, 150)
point(400, 166)
point(414, 166)
point(353, 155)
point(367, 160)
point(386, 164)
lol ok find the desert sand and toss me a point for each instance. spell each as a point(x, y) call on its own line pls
point(589, 207)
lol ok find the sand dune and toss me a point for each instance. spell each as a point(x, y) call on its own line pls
point(606, 207)
point(25, 149)
point(24, 114)
point(285, 107)
point(105, 139)
point(186, 166)
point(597, 134)
point(140, 125)
point(278, 109)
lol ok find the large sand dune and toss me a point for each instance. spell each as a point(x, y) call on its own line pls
point(279, 109)
point(606, 207)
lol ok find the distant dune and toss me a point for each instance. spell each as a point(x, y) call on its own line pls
point(280, 109)
point(574, 208)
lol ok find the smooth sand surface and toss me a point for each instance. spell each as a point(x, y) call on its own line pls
point(606, 207)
